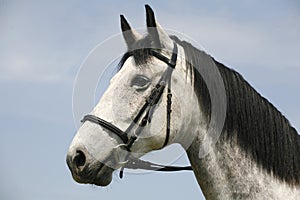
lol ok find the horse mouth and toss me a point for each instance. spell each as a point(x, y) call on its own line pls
point(103, 177)
point(97, 174)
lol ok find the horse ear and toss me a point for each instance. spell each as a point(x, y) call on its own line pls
point(150, 17)
point(160, 37)
point(151, 26)
point(130, 36)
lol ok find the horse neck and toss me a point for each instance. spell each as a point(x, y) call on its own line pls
point(228, 173)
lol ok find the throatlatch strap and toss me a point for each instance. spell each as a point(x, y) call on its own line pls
point(169, 110)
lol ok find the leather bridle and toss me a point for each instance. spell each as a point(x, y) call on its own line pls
point(143, 117)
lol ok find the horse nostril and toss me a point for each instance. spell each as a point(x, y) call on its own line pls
point(79, 159)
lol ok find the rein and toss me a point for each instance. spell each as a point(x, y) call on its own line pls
point(140, 122)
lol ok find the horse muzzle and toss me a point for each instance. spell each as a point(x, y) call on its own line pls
point(86, 170)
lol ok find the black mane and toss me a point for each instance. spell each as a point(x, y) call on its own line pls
point(261, 130)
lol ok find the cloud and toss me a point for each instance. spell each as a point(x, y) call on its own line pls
point(42, 42)
point(251, 41)
point(46, 42)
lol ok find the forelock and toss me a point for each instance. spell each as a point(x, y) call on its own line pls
point(141, 52)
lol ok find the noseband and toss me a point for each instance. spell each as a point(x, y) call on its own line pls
point(144, 116)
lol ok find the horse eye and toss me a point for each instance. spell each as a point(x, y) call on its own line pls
point(140, 82)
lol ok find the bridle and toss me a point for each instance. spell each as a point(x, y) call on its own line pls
point(143, 117)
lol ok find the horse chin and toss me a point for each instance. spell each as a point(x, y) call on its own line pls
point(102, 181)
point(104, 177)
point(100, 176)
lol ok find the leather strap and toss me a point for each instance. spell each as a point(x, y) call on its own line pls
point(107, 125)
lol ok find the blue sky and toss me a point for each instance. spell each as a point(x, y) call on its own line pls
point(42, 45)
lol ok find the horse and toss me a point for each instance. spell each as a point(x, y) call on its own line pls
point(169, 92)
